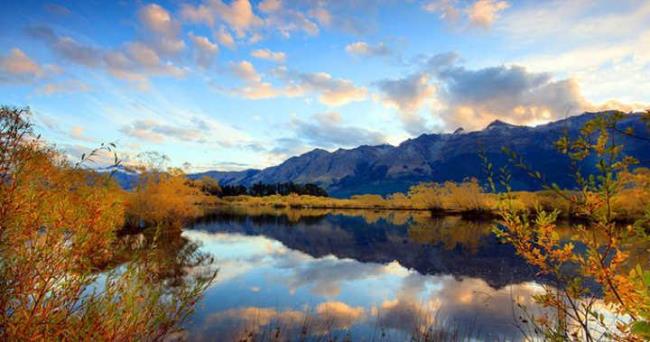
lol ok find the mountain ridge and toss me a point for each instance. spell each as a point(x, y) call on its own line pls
point(438, 157)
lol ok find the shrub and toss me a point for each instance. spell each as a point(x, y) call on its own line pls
point(625, 288)
point(57, 225)
point(163, 198)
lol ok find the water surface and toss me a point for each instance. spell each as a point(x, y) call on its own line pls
point(361, 275)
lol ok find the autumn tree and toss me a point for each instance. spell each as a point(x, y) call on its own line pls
point(57, 227)
point(603, 257)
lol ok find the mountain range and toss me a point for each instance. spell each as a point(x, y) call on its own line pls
point(385, 169)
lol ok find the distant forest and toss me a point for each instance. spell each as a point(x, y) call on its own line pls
point(260, 189)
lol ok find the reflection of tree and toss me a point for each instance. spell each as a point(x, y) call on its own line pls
point(450, 231)
point(349, 236)
point(160, 278)
point(166, 254)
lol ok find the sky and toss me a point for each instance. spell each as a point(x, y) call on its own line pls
point(237, 84)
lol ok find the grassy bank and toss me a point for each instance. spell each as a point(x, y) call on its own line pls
point(467, 199)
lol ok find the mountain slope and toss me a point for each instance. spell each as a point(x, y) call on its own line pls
point(386, 169)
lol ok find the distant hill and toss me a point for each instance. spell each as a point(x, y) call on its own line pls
point(386, 169)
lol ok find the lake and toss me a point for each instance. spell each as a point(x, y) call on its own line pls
point(357, 275)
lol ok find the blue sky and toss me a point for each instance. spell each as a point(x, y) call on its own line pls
point(221, 84)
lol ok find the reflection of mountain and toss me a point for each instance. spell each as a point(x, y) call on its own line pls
point(352, 237)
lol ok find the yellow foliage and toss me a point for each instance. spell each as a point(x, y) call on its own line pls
point(57, 229)
point(163, 198)
point(634, 197)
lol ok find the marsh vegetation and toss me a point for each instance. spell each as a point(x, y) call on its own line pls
point(80, 256)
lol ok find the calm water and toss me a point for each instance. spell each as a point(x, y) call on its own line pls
point(364, 275)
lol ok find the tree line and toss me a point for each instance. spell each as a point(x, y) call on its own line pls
point(261, 190)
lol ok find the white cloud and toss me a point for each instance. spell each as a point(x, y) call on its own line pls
point(195, 129)
point(484, 12)
point(134, 61)
point(408, 95)
point(480, 13)
point(446, 9)
point(245, 71)
point(270, 5)
point(238, 15)
point(16, 65)
point(332, 91)
point(197, 14)
point(225, 38)
point(473, 98)
point(79, 133)
point(364, 49)
point(278, 57)
point(205, 50)
point(163, 31)
point(327, 131)
point(601, 47)
point(67, 86)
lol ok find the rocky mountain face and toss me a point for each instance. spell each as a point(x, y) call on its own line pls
point(386, 169)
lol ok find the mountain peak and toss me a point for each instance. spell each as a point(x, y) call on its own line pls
point(386, 169)
point(499, 124)
point(317, 152)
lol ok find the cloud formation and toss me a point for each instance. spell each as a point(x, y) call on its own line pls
point(330, 90)
point(204, 50)
point(225, 38)
point(473, 98)
point(134, 61)
point(364, 49)
point(278, 57)
point(479, 13)
point(17, 66)
point(484, 12)
point(193, 128)
point(161, 29)
point(67, 47)
point(239, 15)
point(237, 323)
point(326, 130)
point(245, 71)
point(408, 95)
point(63, 87)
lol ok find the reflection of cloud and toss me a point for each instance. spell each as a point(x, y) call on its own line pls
point(234, 324)
point(237, 324)
point(339, 314)
point(445, 303)
point(325, 275)
point(348, 294)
